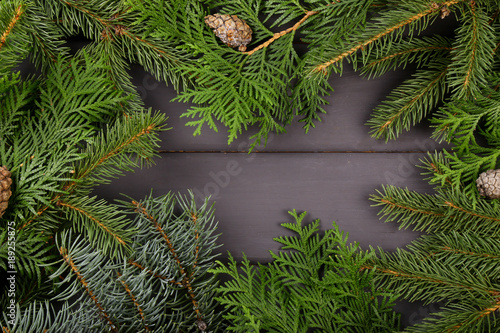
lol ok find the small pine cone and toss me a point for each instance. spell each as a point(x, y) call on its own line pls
point(445, 11)
point(488, 184)
point(232, 30)
point(202, 326)
point(5, 193)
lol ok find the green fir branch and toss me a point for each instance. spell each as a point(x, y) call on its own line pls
point(13, 36)
point(409, 103)
point(448, 211)
point(472, 53)
point(103, 226)
point(419, 51)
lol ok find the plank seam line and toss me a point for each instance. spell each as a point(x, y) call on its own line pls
point(291, 152)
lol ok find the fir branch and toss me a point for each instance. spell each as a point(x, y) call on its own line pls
point(448, 211)
point(19, 11)
point(136, 264)
point(408, 104)
point(101, 223)
point(322, 68)
point(134, 300)
point(472, 54)
point(186, 280)
point(419, 51)
point(69, 261)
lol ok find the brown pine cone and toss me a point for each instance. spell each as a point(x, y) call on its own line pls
point(5, 193)
point(488, 184)
point(232, 30)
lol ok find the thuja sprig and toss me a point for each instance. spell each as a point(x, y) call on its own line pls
point(315, 283)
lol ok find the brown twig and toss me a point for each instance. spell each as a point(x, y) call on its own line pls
point(282, 33)
point(186, 280)
point(12, 23)
point(79, 276)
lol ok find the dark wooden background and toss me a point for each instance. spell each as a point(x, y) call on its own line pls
point(329, 172)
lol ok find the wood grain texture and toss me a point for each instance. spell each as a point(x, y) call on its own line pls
point(252, 193)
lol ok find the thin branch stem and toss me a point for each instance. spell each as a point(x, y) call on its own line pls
point(322, 67)
point(282, 33)
point(81, 279)
point(186, 280)
point(93, 219)
point(12, 23)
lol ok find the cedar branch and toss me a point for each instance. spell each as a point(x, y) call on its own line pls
point(322, 67)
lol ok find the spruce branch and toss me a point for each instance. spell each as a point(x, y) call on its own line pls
point(472, 54)
point(408, 104)
point(401, 23)
point(452, 210)
point(76, 271)
point(186, 278)
point(18, 12)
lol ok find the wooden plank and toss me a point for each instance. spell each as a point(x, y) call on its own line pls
point(254, 192)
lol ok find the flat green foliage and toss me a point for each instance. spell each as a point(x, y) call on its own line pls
point(472, 129)
point(260, 92)
point(317, 283)
point(162, 286)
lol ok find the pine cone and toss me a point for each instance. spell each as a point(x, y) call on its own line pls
point(232, 30)
point(5, 193)
point(488, 184)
